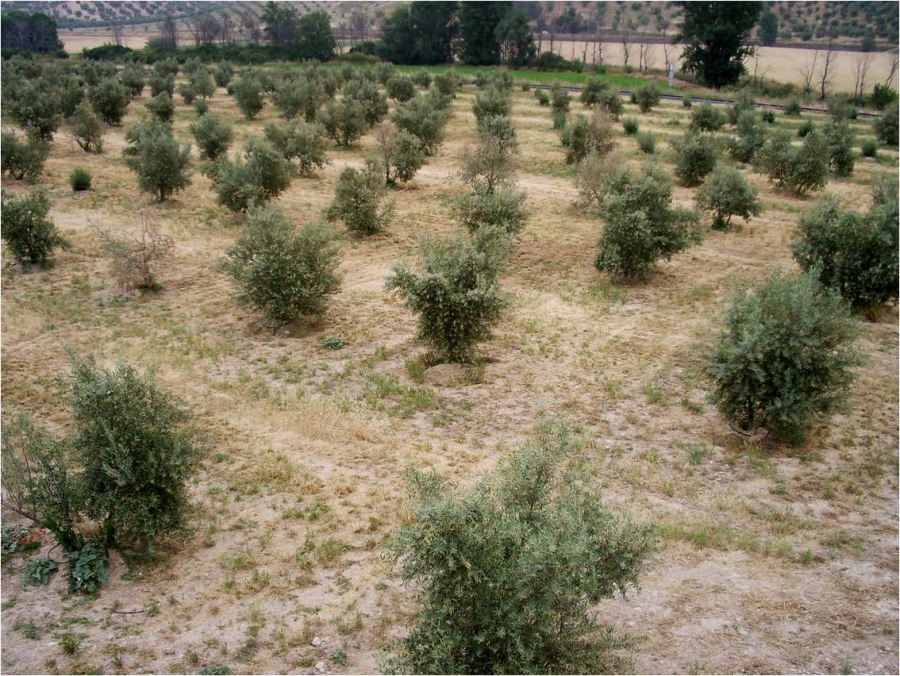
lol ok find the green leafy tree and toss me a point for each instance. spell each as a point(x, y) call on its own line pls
point(581, 136)
point(491, 102)
point(796, 169)
point(841, 155)
point(344, 121)
point(647, 97)
point(315, 41)
point(886, 126)
point(751, 136)
point(213, 136)
point(282, 272)
point(853, 253)
point(493, 160)
point(455, 292)
point(706, 118)
point(425, 118)
point(592, 91)
point(161, 164)
point(137, 452)
point(299, 95)
point(716, 34)
point(280, 25)
point(299, 141)
point(695, 157)
point(162, 108)
point(400, 87)
point(374, 103)
point(725, 193)
point(399, 152)
point(503, 209)
point(27, 230)
point(784, 357)
point(641, 226)
point(86, 128)
point(516, 39)
point(202, 83)
point(248, 92)
point(421, 34)
point(110, 100)
point(222, 73)
point(768, 28)
point(559, 99)
point(479, 44)
point(135, 79)
point(359, 200)
point(483, 559)
point(34, 105)
point(261, 175)
point(744, 100)
point(23, 158)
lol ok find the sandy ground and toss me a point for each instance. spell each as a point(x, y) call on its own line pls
point(780, 562)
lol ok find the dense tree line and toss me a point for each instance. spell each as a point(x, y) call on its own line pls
point(29, 32)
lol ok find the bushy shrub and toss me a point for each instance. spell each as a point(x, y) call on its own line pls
point(611, 102)
point(595, 179)
point(261, 175)
point(359, 200)
point(299, 141)
point(161, 164)
point(706, 118)
point(86, 128)
point(161, 107)
point(646, 142)
point(134, 79)
point(592, 91)
point(299, 96)
point(582, 136)
point(796, 169)
point(23, 158)
point(784, 356)
point(482, 560)
point(80, 179)
point(641, 225)
point(630, 126)
point(421, 78)
point(34, 105)
point(792, 107)
point(222, 73)
point(447, 83)
point(161, 83)
point(187, 93)
point(344, 121)
point(202, 83)
point(868, 148)
point(686, 101)
point(213, 136)
point(30, 235)
point(841, 109)
point(400, 88)
point(647, 97)
point(695, 157)
point(493, 159)
point(543, 98)
point(841, 158)
point(855, 254)
point(374, 104)
point(490, 103)
point(201, 107)
point(110, 100)
point(136, 452)
point(744, 101)
point(725, 193)
point(768, 116)
point(806, 129)
point(399, 153)
point(503, 209)
point(425, 119)
point(750, 138)
point(886, 126)
point(248, 93)
point(559, 98)
point(281, 272)
point(455, 292)
point(137, 260)
point(882, 96)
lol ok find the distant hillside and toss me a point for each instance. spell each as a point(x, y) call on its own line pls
point(799, 23)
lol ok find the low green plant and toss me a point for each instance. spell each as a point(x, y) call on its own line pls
point(646, 142)
point(339, 657)
point(806, 129)
point(80, 179)
point(38, 570)
point(543, 98)
point(647, 97)
point(686, 101)
point(886, 126)
point(559, 99)
point(332, 343)
point(215, 669)
point(768, 116)
point(706, 118)
point(281, 272)
point(868, 148)
point(87, 567)
point(784, 357)
point(630, 126)
point(20, 539)
point(484, 558)
point(455, 292)
point(27, 230)
point(792, 107)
